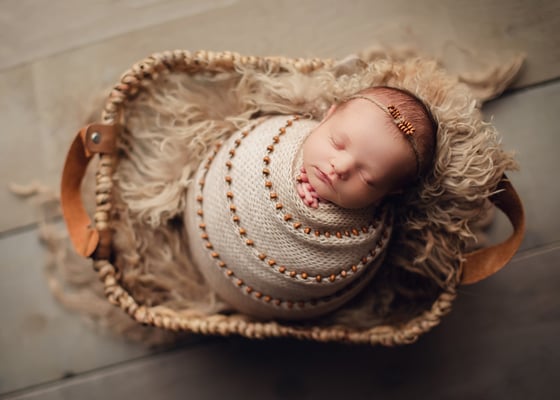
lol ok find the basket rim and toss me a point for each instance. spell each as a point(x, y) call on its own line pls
point(131, 82)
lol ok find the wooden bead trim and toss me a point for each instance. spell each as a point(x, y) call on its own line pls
point(262, 256)
point(290, 272)
point(308, 230)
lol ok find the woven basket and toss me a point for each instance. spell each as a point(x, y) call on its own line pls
point(95, 241)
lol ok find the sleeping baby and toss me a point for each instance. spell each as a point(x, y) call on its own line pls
point(291, 217)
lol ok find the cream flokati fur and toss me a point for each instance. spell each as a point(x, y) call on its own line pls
point(174, 122)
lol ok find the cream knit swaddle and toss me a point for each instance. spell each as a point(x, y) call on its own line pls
point(259, 246)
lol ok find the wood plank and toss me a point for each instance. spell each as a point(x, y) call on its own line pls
point(32, 30)
point(461, 32)
point(526, 122)
point(500, 341)
point(39, 340)
point(21, 145)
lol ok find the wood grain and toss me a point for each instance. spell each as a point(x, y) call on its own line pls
point(460, 32)
point(32, 30)
point(499, 342)
point(57, 59)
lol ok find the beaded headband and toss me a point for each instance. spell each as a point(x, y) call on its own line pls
point(404, 125)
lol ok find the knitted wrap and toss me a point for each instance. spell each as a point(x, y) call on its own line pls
point(259, 246)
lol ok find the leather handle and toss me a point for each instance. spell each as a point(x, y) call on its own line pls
point(91, 139)
point(482, 263)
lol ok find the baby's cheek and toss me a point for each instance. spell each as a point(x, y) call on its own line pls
point(362, 198)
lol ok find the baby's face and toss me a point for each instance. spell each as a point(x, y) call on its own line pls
point(355, 156)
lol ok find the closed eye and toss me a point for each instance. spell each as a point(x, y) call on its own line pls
point(367, 181)
point(336, 143)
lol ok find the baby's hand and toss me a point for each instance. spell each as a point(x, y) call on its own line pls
point(306, 191)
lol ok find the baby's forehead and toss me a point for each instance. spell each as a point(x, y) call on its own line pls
point(361, 113)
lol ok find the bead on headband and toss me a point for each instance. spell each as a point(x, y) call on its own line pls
point(404, 125)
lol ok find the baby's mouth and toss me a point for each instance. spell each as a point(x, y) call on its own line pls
point(323, 177)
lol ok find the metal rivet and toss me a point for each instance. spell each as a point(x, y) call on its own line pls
point(96, 137)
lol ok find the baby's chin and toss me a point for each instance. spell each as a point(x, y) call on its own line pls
point(327, 196)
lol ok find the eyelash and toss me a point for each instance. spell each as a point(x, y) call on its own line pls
point(366, 181)
point(336, 144)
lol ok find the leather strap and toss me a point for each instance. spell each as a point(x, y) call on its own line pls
point(91, 139)
point(482, 263)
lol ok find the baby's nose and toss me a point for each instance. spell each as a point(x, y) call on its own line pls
point(343, 166)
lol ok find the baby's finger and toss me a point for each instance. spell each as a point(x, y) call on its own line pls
point(300, 191)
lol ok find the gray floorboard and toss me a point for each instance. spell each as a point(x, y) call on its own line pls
point(499, 342)
point(526, 122)
point(39, 340)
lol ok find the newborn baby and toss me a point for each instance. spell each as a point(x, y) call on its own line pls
point(358, 154)
point(286, 219)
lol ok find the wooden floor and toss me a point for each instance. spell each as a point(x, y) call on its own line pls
point(500, 341)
